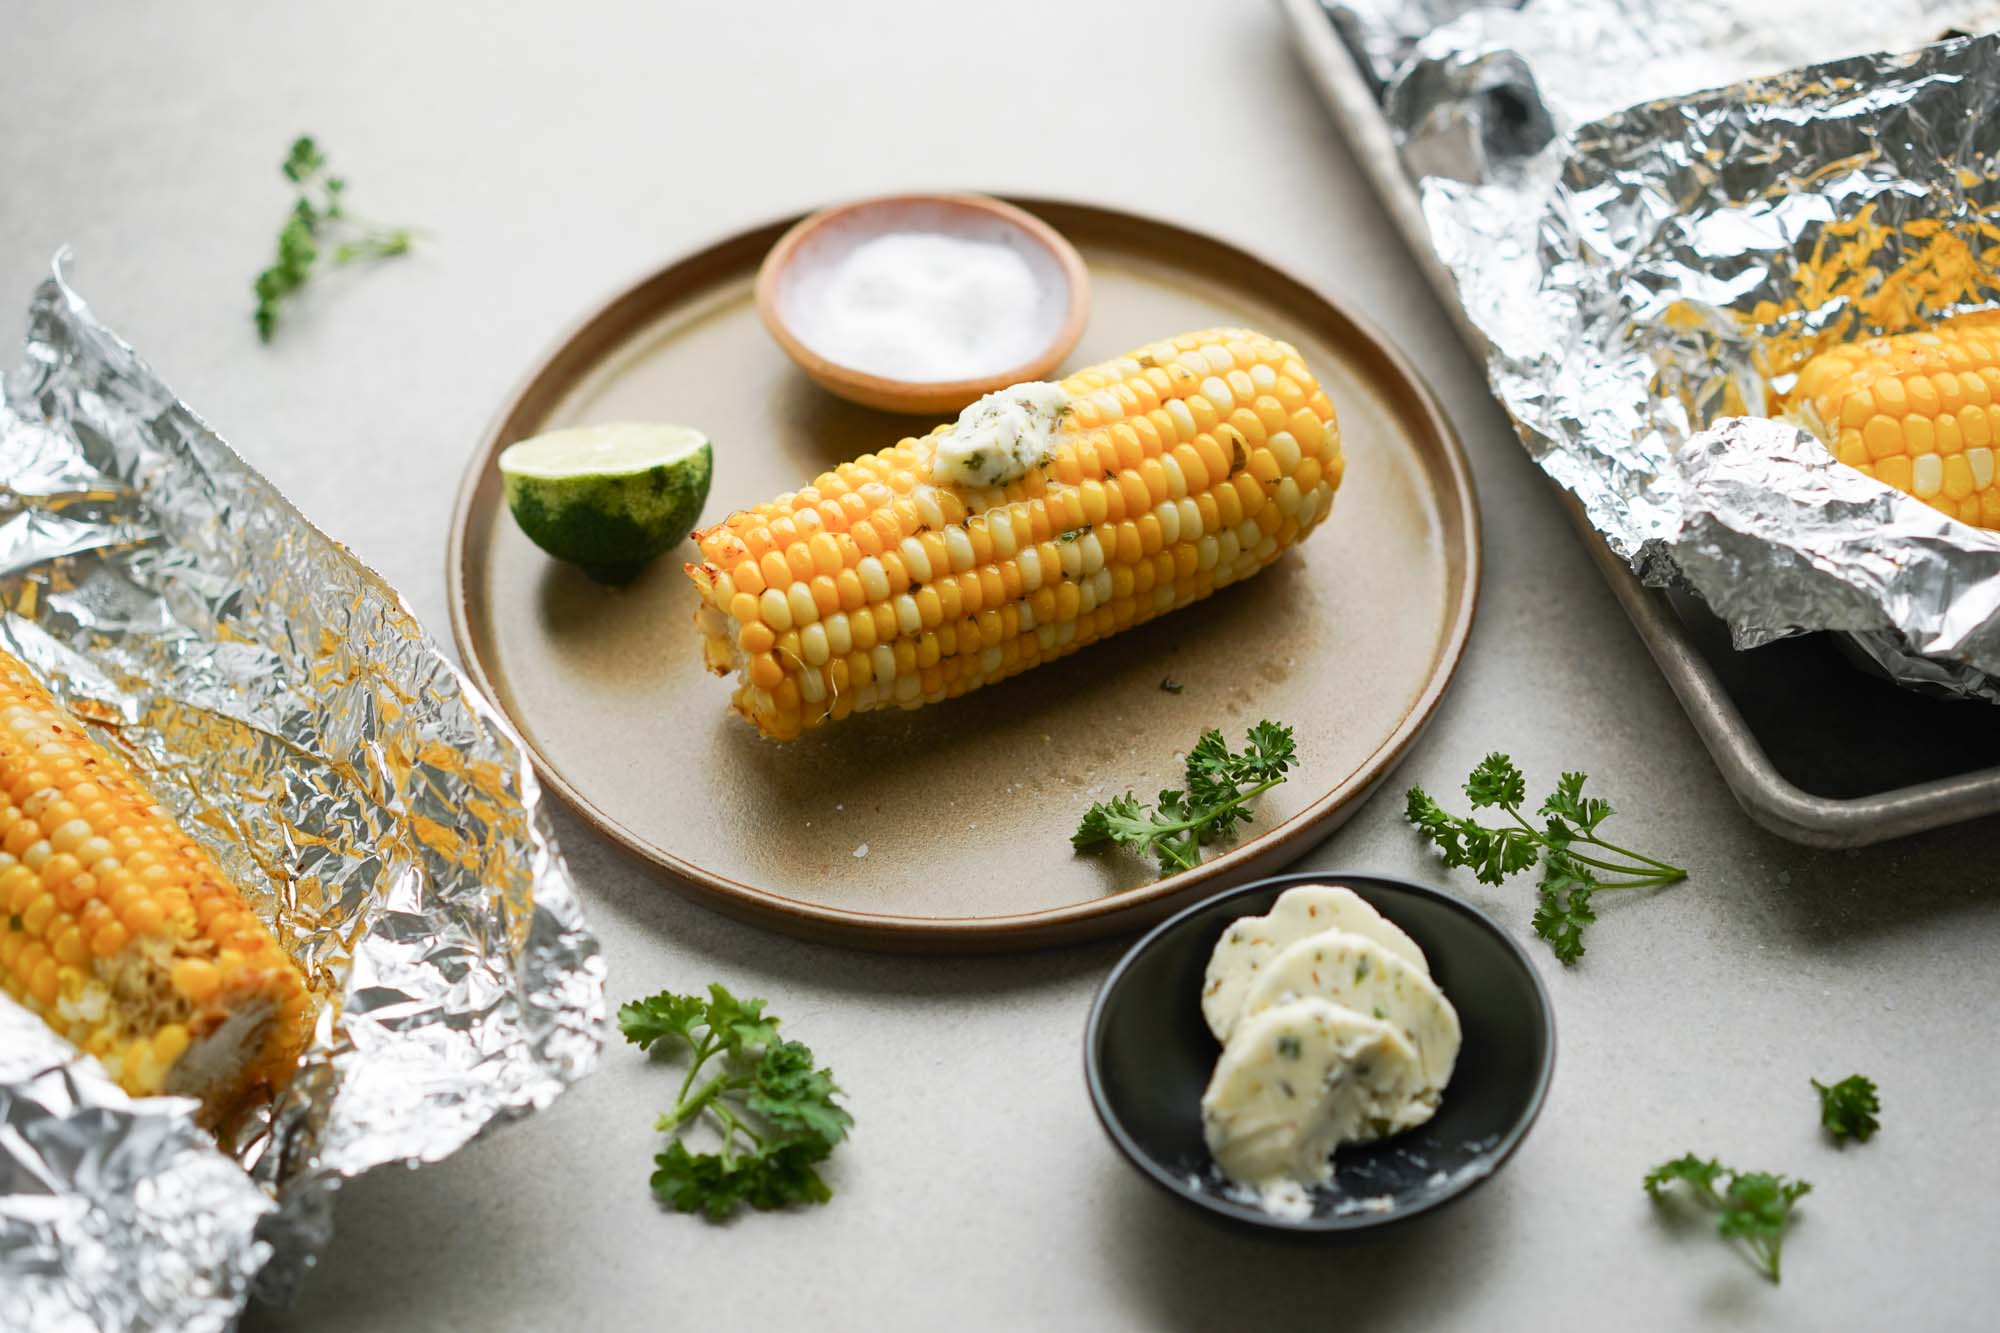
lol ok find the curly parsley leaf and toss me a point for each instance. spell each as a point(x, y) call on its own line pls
point(797, 1098)
point(771, 1107)
point(318, 227)
point(1576, 863)
point(1848, 1108)
point(1220, 784)
point(659, 1017)
point(1562, 907)
point(1495, 781)
point(1754, 1207)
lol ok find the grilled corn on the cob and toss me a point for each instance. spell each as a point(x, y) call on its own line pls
point(120, 930)
point(1175, 471)
point(1920, 411)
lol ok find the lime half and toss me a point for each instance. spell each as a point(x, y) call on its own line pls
point(611, 497)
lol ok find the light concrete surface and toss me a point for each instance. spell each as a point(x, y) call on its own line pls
point(554, 151)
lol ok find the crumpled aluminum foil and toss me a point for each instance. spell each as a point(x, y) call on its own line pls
point(285, 704)
point(113, 1211)
point(1632, 271)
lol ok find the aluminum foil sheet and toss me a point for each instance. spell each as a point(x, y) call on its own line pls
point(285, 704)
point(1648, 266)
point(114, 1212)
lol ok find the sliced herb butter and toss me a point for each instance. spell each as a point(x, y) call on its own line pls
point(1333, 1032)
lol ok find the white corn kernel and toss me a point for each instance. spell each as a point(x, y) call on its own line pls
point(1219, 359)
point(804, 609)
point(1218, 394)
point(1072, 558)
point(1288, 497)
point(812, 686)
point(1184, 427)
point(884, 661)
point(1285, 449)
point(914, 559)
point(1177, 486)
point(959, 547)
point(814, 646)
point(1981, 463)
point(1000, 527)
point(1169, 515)
point(1205, 552)
point(908, 619)
point(1093, 552)
point(1029, 562)
point(839, 633)
point(874, 579)
point(1025, 609)
point(928, 509)
point(1927, 475)
point(774, 610)
point(1190, 524)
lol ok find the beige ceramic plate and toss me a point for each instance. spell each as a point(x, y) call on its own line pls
point(948, 828)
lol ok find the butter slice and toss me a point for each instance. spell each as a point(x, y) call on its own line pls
point(1351, 970)
point(1298, 1080)
point(1252, 941)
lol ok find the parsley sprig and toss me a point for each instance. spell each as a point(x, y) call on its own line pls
point(1754, 1207)
point(773, 1109)
point(1848, 1108)
point(319, 226)
point(1220, 783)
point(1576, 862)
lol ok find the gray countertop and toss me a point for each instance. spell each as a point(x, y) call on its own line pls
point(555, 151)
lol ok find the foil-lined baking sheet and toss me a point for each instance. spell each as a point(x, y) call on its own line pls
point(286, 706)
point(1644, 275)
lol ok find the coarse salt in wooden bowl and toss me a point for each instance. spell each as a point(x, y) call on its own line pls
point(922, 303)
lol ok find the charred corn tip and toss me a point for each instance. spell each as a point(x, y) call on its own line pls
point(1182, 468)
point(120, 931)
point(1918, 411)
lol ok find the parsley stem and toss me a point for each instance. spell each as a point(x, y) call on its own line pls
point(1207, 813)
point(702, 1051)
point(1672, 873)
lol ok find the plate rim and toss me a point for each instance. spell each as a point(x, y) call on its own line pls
point(1129, 909)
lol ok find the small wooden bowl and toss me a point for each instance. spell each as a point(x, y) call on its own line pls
point(830, 233)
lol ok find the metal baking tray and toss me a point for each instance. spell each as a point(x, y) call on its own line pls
point(1815, 749)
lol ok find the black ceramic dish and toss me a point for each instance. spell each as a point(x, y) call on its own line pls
point(1148, 1055)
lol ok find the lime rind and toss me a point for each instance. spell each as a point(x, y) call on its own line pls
point(608, 498)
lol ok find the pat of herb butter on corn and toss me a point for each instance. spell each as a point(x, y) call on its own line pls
point(1335, 1033)
point(998, 438)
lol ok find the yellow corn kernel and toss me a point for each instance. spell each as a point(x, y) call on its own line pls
point(1911, 410)
point(896, 590)
point(93, 864)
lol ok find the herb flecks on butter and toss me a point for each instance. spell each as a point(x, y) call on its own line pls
point(772, 1108)
point(1000, 437)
